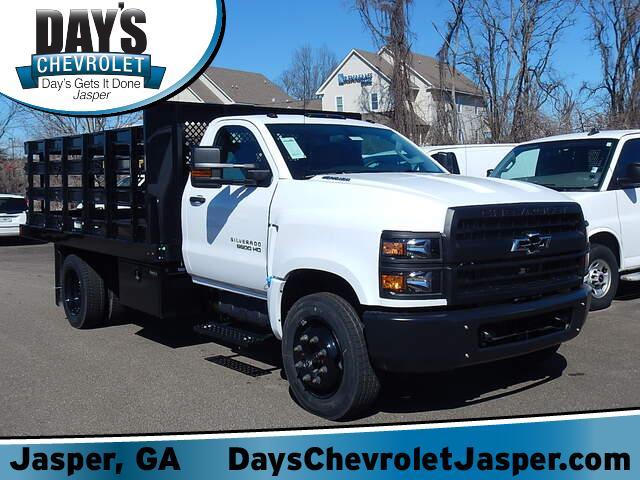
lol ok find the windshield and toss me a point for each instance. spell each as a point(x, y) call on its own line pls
point(314, 149)
point(571, 165)
point(12, 205)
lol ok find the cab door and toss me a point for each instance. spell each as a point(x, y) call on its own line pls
point(628, 204)
point(225, 227)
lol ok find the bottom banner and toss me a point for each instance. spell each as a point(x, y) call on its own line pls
point(598, 446)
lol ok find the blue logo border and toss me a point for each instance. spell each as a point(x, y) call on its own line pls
point(179, 86)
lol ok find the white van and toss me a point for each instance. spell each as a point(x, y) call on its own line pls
point(469, 160)
point(601, 171)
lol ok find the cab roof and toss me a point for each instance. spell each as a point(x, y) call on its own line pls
point(604, 134)
point(302, 119)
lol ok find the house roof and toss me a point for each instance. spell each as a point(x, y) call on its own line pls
point(426, 67)
point(429, 68)
point(377, 61)
point(245, 87)
point(203, 92)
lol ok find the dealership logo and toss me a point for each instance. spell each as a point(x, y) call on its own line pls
point(532, 243)
point(98, 60)
point(76, 53)
point(362, 78)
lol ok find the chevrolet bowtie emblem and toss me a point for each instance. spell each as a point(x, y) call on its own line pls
point(532, 243)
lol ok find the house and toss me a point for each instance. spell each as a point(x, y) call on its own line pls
point(227, 86)
point(361, 83)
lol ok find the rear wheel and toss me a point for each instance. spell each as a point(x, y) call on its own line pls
point(602, 276)
point(84, 296)
point(325, 358)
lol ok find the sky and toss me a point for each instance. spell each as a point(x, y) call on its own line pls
point(261, 35)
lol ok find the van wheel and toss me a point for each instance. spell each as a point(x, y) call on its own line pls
point(325, 358)
point(602, 276)
point(84, 295)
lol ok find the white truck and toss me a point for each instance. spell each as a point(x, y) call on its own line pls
point(600, 171)
point(469, 160)
point(339, 237)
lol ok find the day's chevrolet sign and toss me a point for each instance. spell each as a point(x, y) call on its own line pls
point(105, 58)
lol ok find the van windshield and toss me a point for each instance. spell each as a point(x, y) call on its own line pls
point(571, 165)
point(315, 149)
point(12, 205)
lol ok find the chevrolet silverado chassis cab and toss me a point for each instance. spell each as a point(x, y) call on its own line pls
point(336, 236)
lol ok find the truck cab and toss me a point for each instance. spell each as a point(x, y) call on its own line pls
point(338, 237)
point(600, 171)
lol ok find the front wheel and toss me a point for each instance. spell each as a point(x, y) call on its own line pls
point(602, 276)
point(326, 359)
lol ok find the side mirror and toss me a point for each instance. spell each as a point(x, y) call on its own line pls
point(205, 172)
point(490, 171)
point(632, 176)
point(208, 172)
point(261, 177)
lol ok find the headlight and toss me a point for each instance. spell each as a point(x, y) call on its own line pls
point(410, 265)
point(411, 248)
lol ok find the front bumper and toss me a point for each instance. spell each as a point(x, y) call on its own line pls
point(430, 341)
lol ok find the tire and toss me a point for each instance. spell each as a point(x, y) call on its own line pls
point(603, 276)
point(536, 358)
point(348, 386)
point(84, 296)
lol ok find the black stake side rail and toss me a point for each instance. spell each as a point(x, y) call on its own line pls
point(77, 193)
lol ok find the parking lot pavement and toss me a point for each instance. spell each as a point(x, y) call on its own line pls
point(146, 376)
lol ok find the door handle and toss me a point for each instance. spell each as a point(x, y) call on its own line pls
point(197, 201)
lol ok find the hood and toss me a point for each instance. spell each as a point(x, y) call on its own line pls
point(450, 190)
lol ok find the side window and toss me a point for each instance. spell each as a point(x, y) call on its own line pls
point(374, 102)
point(630, 154)
point(524, 165)
point(238, 146)
point(448, 160)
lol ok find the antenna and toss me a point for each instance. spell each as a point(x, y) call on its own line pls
point(593, 131)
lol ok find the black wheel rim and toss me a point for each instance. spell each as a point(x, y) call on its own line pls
point(317, 357)
point(72, 292)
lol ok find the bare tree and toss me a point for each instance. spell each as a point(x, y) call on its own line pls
point(308, 69)
point(509, 50)
point(8, 113)
point(616, 35)
point(44, 125)
point(388, 23)
point(446, 125)
point(12, 176)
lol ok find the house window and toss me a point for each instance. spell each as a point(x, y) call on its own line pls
point(339, 104)
point(374, 101)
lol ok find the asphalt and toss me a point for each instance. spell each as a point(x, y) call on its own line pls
point(146, 376)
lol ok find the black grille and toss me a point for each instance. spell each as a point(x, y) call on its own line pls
point(483, 267)
point(512, 226)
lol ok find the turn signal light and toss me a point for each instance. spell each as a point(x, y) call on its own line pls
point(394, 249)
point(202, 172)
point(393, 283)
